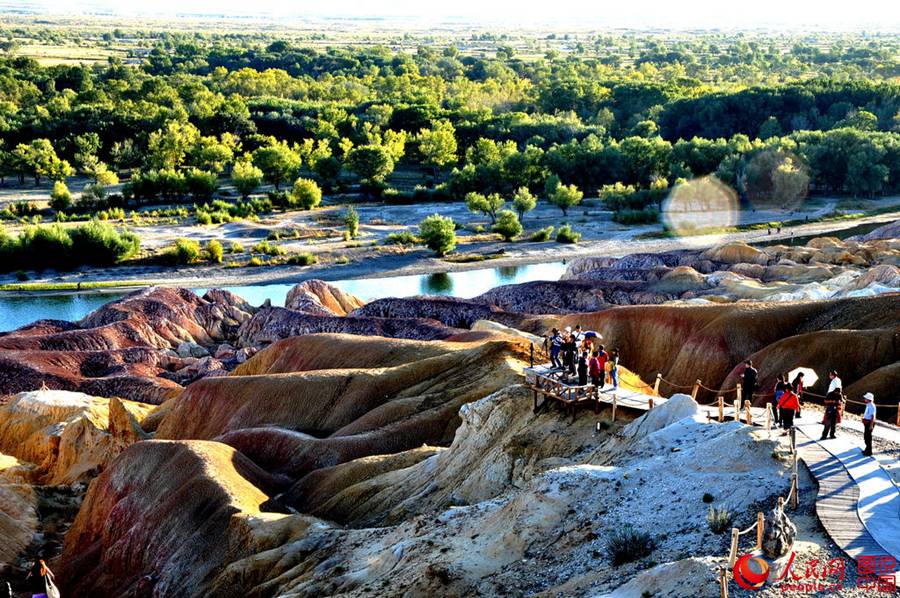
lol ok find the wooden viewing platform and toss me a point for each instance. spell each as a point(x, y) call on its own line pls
point(554, 384)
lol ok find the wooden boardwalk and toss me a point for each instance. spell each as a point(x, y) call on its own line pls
point(857, 503)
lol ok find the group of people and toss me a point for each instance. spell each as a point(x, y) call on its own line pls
point(787, 397)
point(579, 352)
point(40, 582)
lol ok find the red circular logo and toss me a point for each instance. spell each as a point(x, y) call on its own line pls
point(751, 572)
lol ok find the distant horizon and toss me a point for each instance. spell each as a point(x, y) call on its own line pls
point(696, 15)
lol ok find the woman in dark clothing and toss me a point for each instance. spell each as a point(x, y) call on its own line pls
point(569, 350)
point(781, 385)
point(583, 368)
point(797, 387)
point(40, 580)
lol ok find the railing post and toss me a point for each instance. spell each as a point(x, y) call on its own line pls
point(532, 354)
point(794, 441)
point(649, 403)
point(615, 400)
point(795, 496)
point(732, 553)
point(659, 379)
point(781, 504)
point(747, 414)
point(737, 393)
point(723, 583)
point(760, 524)
point(768, 417)
point(898, 415)
point(737, 410)
point(721, 409)
point(696, 389)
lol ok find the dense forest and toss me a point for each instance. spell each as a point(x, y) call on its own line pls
point(623, 118)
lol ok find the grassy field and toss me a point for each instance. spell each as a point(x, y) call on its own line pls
point(23, 287)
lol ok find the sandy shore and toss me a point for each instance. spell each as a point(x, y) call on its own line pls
point(369, 258)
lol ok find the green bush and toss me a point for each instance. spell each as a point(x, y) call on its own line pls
point(183, 251)
point(352, 222)
point(268, 248)
point(626, 545)
point(438, 233)
point(60, 198)
point(100, 244)
point(39, 247)
point(235, 247)
point(541, 235)
point(402, 238)
point(214, 251)
point(565, 234)
point(256, 262)
point(507, 225)
point(719, 519)
point(648, 215)
point(302, 259)
point(306, 194)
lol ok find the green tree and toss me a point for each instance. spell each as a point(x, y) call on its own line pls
point(168, 147)
point(565, 197)
point(60, 198)
point(201, 184)
point(352, 221)
point(278, 162)
point(551, 185)
point(39, 159)
point(523, 201)
point(507, 225)
point(437, 145)
point(487, 205)
point(372, 163)
point(438, 233)
point(246, 177)
point(305, 194)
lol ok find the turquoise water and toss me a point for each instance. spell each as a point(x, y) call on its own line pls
point(18, 311)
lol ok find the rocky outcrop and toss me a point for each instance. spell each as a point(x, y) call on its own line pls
point(122, 349)
point(543, 297)
point(318, 298)
point(450, 311)
point(778, 534)
point(69, 437)
point(271, 324)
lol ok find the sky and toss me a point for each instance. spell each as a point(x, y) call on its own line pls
point(673, 14)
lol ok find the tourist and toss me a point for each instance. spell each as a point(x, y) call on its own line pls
point(748, 386)
point(596, 370)
point(797, 387)
point(781, 385)
point(555, 348)
point(830, 419)
point(602, 359)
point(583, 369)
point(788, 405)
point(868, 422)
point(40, 580)
point(578, 336)
point(569, 349)
point(614, 368)
point(835, 384)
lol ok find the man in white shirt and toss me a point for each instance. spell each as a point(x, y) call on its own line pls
point(835, 383)
point(868, 422)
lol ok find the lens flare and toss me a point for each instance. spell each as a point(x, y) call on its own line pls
point(775, 179)
point(695, 209)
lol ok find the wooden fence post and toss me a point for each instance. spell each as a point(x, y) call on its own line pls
point(781, 504)
point(723, 583)
point(898, 415)
point(768, 417)
point(737, 410)
point(747, 414)
point(795, 496)
point(649, 403)
point(532, 354)
point(737, 391)
point(656, 384)
point(760, 524)
point(721, 409)
point(696, 389)
point(614, 407)
point(732, 553)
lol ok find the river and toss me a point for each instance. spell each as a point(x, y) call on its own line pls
point(18, 310)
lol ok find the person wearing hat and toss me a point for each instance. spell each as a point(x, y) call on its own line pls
point(868, 422)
